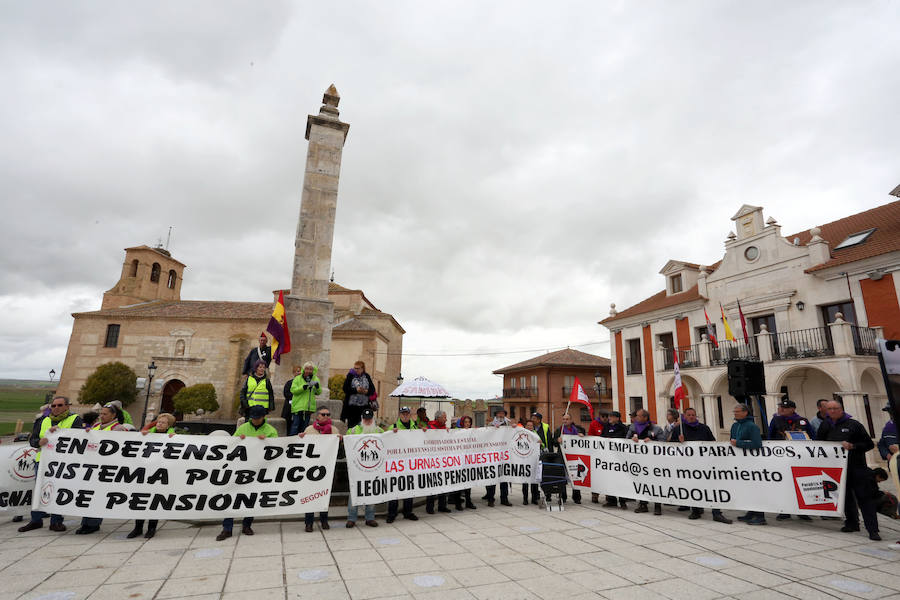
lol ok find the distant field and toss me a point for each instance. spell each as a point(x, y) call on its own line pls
point(21, 399)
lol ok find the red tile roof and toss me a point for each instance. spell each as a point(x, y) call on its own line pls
point(560, 358)
point(655, 302)
point(188, 309)
point(886, 237)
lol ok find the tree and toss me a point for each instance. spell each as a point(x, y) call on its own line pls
point(111, 381)
point(336, 387)
point(201, 395)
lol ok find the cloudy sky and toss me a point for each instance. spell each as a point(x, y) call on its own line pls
point(511, 169)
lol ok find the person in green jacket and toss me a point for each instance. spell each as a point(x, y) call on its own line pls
point(304, 390)
point(745, 434)
point(257, 427)
point(367, 425)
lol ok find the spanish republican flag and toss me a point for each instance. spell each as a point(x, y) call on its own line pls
point(278, 327)
point(728, 334)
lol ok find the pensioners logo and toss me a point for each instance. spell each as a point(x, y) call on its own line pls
point(523, 444)
point(368, 453)
point(21, 464)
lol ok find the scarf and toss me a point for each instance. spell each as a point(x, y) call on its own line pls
point(693, 425)
point(640, 427)
point(569, 430)
point(889, 428)
point(61, 417)
point(324, 427)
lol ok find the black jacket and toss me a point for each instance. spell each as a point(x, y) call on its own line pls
point(615, 431)
point(700, 433)
point(251, 359)
point(288, 396)
point(848, 430)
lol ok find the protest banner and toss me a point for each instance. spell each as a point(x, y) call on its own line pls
point(129, 476)
point(801, 477)
point(391, 466)
point(17, 475)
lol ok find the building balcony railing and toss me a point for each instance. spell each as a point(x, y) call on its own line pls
point(864, 340)
point(738, 349)
point(590, 391)
point(528, 392)
point(688, 357)
point(803, 343)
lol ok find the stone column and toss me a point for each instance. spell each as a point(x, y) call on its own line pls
point(310, 314)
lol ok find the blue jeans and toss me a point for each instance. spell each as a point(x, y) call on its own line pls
point(353, 512)
point(299, 422)
point(228, 524)
point(37, 516)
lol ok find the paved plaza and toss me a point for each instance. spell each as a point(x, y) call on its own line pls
point(519, 552)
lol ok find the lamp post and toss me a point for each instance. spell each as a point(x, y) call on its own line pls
point(151, 369)
point(600, 386)
point(399, 399)
point(52, 375)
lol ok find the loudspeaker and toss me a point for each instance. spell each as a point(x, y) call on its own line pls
point(746, 378)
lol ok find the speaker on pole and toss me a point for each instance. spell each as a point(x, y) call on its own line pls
point(746, 378)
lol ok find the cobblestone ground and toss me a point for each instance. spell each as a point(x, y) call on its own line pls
point(516, 552)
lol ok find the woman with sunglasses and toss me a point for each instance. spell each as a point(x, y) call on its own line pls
point(321, 426)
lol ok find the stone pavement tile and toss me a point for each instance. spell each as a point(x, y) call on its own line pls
point(23, 580)
point(48, 565)
point(638, 574)
point(191, 586)
point(257, 548)
point(426, 539)
point(357, 543)
point(64, 579)
point(678, 566)
point(300, 561)
point(752, 574)
point(801, 591)
point(108, 546)
point(157, 557)
point(554, 586)
point(266, 594)
point(418, 564)
point(501, 591)
point(495, 557)
point(417, 583)
point(599, 580)
point(674, 548)
point(889, 577)
point(241, 580)
point(317, 591)
point(452, 562)
point(634, 592)
point(310, 575)
point(63, 550)
point(792, 549)
point(605, 560)
point(197, 554)
point(352, 557)
point(791, 568)
point(641, 554)
point(565, 564)
point(743, 555)
point(399, 552)
point(143, 590)
point(458, 594)
point(75, 592)
point(194, 568)
point(97, 561)
point(854, 558)
point(769, 594)
point(720, 582)
point(682, 589)
point(849, 587)
point(710, 560)
point(365, 570)
point(128, 573)
point(479, 576)
point(304, 546)
point(374, 587)
point(439, 549)
point(528, 569)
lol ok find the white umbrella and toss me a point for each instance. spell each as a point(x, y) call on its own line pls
point(420, 387)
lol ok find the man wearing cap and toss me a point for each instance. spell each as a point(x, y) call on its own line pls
point(255, 427)
point(58, 418)
point(263, 353)
point(500, 420)
point(615, 428)
point(887, 444)
point(366, 425)
point(404, 423)
point(787, 420)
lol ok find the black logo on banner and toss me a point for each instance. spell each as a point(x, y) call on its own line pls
point(47, 494)
point(368, 453)
point(522, 444)
point(21, 464)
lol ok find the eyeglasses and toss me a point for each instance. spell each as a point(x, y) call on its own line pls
point(324, 414)
point(57, 405)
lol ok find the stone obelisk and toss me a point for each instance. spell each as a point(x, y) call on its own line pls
point(310, 314)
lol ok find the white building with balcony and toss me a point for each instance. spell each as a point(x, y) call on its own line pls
point(814, 303)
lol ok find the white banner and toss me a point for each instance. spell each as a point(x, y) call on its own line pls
point(129, 476)
point(17, 476)
point(796, 477)
point(391, 466)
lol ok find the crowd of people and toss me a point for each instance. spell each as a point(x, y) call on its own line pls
point(257, 400)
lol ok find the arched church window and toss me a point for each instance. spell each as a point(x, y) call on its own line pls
point(171, 282)
point(154, 273)
point(179, 348)
point(134, 268)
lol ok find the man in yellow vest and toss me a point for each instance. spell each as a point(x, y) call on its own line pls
point(257, 390)
point(59, 418)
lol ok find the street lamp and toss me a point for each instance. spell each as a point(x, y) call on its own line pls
point(399, 379)
point(52, 374)
point(599, 384)
point(151, 369)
